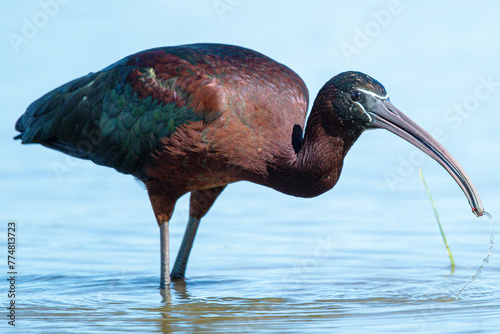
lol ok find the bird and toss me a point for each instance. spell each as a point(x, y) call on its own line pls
point(194, 118)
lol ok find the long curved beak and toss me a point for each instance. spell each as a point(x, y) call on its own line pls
point(385, 115)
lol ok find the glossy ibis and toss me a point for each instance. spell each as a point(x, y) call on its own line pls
point(195, 118)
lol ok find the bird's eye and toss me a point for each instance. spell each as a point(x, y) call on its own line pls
point(356, 95)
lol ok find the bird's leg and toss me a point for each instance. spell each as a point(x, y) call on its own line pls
point(163, 207)
point(200, 203)
point(164, 256)
point(179, 269)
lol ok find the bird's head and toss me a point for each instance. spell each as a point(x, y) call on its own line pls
point(358, 102)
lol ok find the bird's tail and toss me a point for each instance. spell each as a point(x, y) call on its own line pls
point(42, 121)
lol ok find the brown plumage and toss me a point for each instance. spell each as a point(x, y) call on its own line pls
point(195, 118)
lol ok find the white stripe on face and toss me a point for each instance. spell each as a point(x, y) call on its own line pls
point(386, 97)
point(373, 94)
point(363, 108)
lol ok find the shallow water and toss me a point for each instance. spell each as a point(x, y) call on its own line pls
point(88, 259)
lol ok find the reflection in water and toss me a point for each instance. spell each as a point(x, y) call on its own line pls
point(375, 285)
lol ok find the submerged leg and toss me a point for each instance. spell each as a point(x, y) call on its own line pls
point(164, 256)
point(163, 207)
point(200, 203)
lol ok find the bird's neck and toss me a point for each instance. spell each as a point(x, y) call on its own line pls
point(316, 166)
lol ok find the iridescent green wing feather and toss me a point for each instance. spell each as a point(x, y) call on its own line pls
point(116, 117)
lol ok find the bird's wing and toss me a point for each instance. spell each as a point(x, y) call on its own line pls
point(116, 117)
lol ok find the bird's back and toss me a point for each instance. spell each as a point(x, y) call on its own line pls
point(124, 115)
